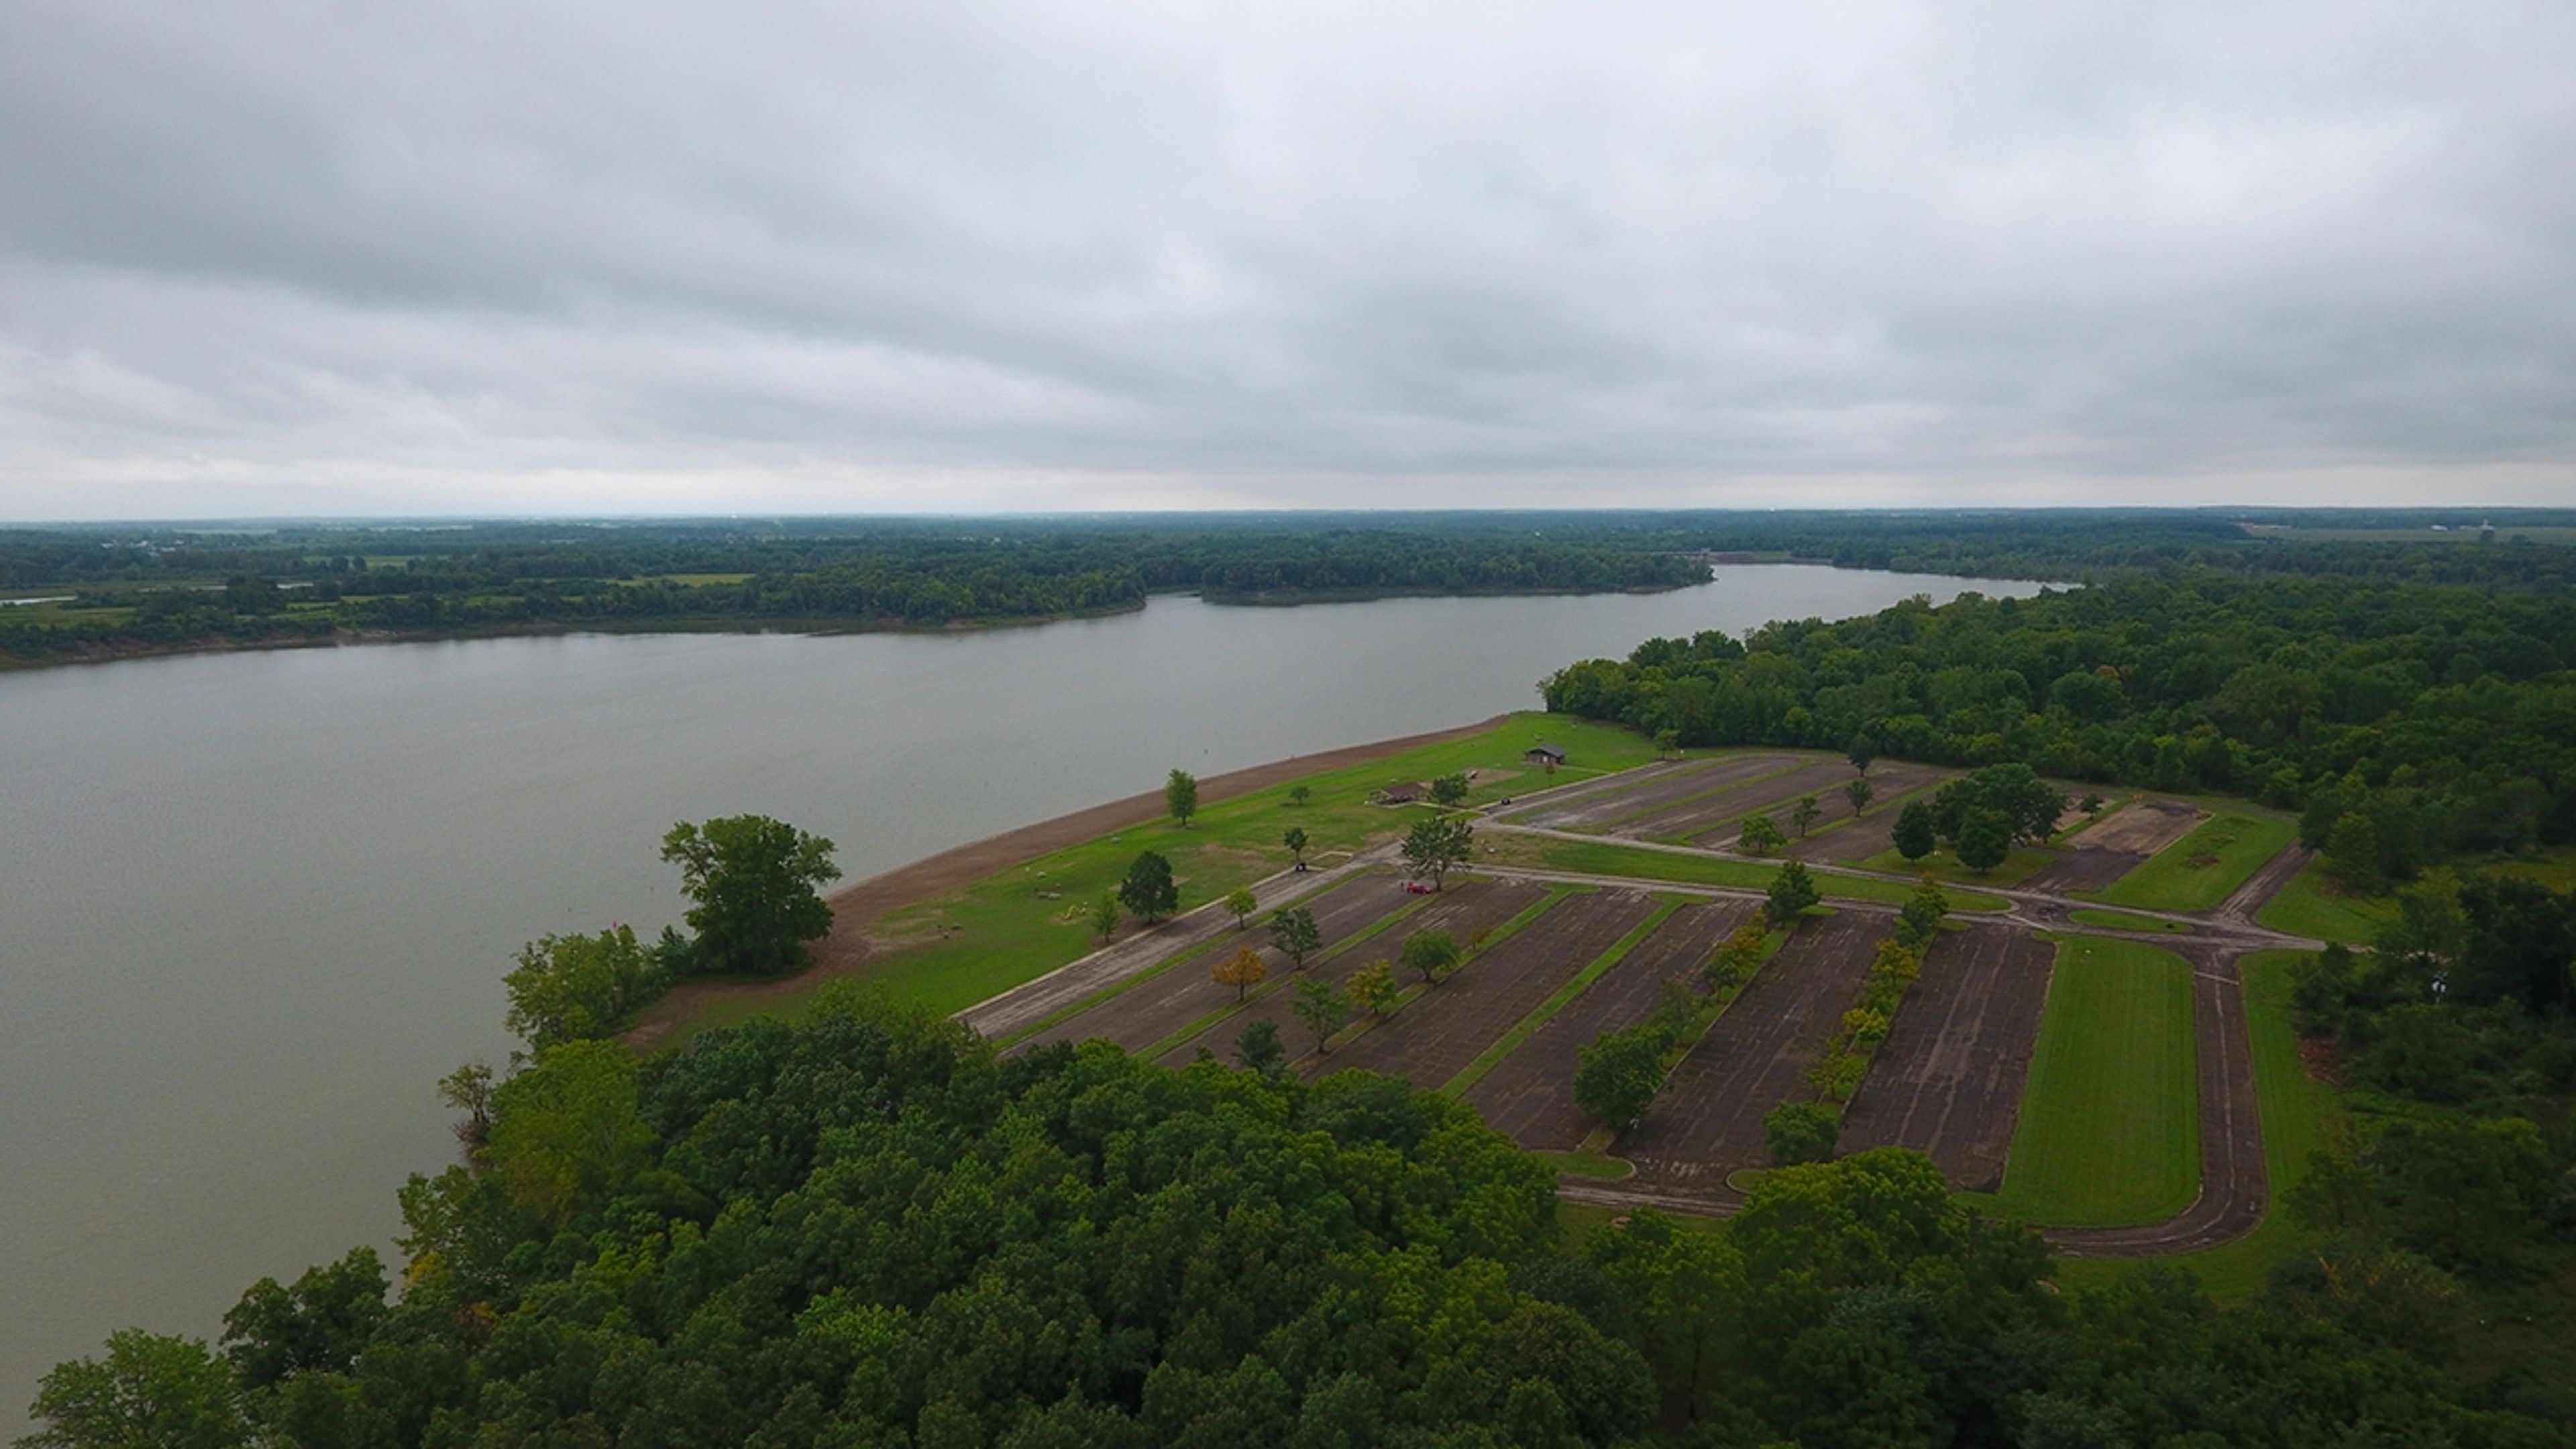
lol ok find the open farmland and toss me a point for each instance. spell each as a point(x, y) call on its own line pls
point(1181, 993)
point(1708, 1122)
point(1530, 1095)
point(1948, 1080)
point(1440, 1031)
point(1466, 908)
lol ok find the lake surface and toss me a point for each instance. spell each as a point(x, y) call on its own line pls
point(253, 905)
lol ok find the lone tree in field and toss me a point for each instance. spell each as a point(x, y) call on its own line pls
point(1804, 813)
point(1181, 796)
point(753, 880)
point(1322, 1008)
point(1104, 916)
point(1668, 744)
point(1617, 1074)
point(1792, 892)
point(1915, 834)
point(1859, 793)
point(1432, 954)
point(1448, 790)
point(1149, 889)
point(1373, 987)
point(1243, 971)
point(1759, 836)
point(1300, 794)
point(1240, 902)
point(1295, 840)
point(1259, 1048)
point(1436, 847)
point(1296, 935)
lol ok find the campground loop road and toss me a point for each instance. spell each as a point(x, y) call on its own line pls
point(2234, 1186)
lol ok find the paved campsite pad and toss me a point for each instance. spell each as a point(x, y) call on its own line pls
point(1823, 779)
point(1439, 1032)
point(1529, 1096)
point(1545, 798)
point(1708, 1122)
point(1948, 1080)
point(1466, 907)
point(1698, 777)
point(1179, 994)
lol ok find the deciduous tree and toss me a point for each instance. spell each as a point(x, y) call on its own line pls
point(1859, 793)
point(1449, 789)
point(1760, 836)
point(1259, 1048)
point(567, 987)
point(1104, 916)
point(1803, 814)
point(1618, 1073)
point(1296, 935)
point(1300, 794)
point(1801, 1132)
point(1149, 889)
point(1915, 834)
point(1984, 839)
point(150, 1390)
point(1792, 892)
point(1241, 903)
point(1295, 840)
point(1737, 957)
point(1181, 796)
point(754, 882)
point(1435, 847)
point(1322, 1008)
point(1430, 954)
point(1373, 987)
point(1243, 971)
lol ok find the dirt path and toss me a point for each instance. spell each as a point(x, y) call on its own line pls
point(856, 907)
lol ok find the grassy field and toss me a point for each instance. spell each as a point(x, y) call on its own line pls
point(1021, 923)
point(2110, 1123)
point(2312, 904)
point(2297, 1110)
point(2555, 869)
point(1637, 863)
point(2203, 868)
point(2024, 862)
point(2123, 921)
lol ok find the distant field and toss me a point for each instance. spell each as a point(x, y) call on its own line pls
point(2110, 1124)
point(2312, 904)
point(2540, 533)
point(2199, 871)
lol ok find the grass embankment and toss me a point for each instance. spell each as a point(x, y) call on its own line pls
point(2297, 1111)
point(1585, 857)
point(2110, 1123)
point(2123, 921)
point(1020, 923)
point(2201, 870)
point(2313, 903)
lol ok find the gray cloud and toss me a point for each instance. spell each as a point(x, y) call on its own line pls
point(349, 259)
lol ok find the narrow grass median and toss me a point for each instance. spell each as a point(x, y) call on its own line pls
point(2201, 870)
point(2110, 1122)
point(1587, 857)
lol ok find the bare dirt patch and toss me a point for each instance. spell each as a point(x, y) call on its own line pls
point(1948, 1080)
point(2140, 829)
point(1530, 1095)
point(1708, 1122)
point(1439, 1032)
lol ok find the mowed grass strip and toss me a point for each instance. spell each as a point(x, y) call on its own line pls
point(1510, 1041)
point(2110, 1124)
point(1586, 857)
point(2199, 871)
point(2312, 903)
point(2297, 1111)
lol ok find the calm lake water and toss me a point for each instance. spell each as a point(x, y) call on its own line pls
point(253, 905)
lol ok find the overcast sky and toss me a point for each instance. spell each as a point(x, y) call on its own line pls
point(536, 257)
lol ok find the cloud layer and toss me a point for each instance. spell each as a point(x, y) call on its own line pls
point(332, 258)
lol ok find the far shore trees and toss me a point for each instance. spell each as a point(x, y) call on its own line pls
point(1430, 955)
point(1240, 903)
point(1149, 889)
point(1436, 847)
point(1243, 971)
point(1181, 796)
point(754, 882)
point(1296, 935)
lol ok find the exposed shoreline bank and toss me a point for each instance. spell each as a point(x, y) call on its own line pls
point(857, 906)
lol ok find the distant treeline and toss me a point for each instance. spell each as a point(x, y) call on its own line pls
point(2443, 712)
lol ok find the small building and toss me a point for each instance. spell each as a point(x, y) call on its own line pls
point(1545, 755)
point(1404, 794)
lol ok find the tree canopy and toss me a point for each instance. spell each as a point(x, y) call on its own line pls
point(752, 881)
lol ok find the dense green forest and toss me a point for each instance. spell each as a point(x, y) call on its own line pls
point(863, 1229)
point(2424, 692)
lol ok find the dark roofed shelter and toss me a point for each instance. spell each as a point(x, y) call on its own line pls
point(1545, 755)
